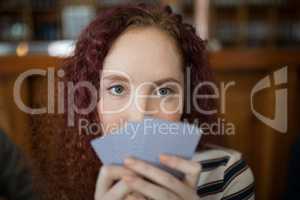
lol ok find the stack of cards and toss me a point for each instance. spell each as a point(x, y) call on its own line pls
point(146, 140)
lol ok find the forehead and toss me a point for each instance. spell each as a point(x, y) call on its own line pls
point(145, 54)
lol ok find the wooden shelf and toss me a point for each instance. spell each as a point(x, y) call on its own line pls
point(231, 59)
point(244, 18)
point(254, 59)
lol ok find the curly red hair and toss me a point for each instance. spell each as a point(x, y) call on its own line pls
point(72, 169)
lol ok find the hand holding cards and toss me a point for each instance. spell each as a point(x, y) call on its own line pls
point(146, 140)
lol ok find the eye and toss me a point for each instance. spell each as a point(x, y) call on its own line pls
point(116, 90)
point(164, 91)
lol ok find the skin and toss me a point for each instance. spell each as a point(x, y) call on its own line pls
point(143, 61)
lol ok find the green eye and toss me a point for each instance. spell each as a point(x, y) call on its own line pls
point(116, 90)
point(164, 91)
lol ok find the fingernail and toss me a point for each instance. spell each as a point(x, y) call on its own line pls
point(164, 157)
point(129, 161)
point(128, 178)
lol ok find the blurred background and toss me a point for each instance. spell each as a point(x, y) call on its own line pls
point(247, 40)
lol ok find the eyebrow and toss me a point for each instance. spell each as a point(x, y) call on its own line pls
point(158, 82)
point(164, 80)
point(115, 77)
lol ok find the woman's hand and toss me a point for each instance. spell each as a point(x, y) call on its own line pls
point(106, 190)
point(131, 184)
point(166, 185)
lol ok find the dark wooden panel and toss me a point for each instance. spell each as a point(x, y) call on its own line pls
point(266, 150)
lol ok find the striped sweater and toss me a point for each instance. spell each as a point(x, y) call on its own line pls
point(225, 175)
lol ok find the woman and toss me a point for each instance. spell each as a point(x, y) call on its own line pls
point(149, 55)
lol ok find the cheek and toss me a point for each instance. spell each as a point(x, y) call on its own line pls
point(113, 104)
point(172, 105)
point(171, 117)
point(168, 109)
point(109, 121)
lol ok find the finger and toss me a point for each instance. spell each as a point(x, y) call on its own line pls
point(139, 196)
point(118, 191)
point(148, 189)
point(107, 175)
point(159, 176)
point(130, 197)
point(135, 196)
point(190, 168)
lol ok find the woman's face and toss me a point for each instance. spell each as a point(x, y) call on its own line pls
point(142, 75)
